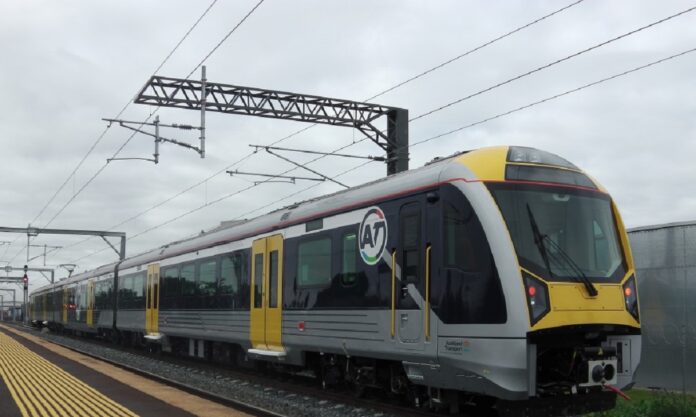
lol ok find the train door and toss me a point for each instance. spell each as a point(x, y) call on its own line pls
point(152, 299)
point(90, 303)
point(408, 259)
point(267, 294)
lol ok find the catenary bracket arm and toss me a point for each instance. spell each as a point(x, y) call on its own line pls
point(308, 169)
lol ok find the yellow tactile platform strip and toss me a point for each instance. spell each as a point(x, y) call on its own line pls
point(40, 388)
point(163, 400)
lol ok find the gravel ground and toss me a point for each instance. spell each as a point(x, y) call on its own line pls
point(222, 384)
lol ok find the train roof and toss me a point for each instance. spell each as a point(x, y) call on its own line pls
point(484, 164)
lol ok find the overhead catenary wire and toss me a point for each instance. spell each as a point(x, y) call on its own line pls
point(118, 151)
point(123, 109)
point(304, 129)
point(125, 143)
point(210, 203)
point(548, 65)
point(106, 129)
point(488, 119)
point(551, 64)
point(471, 51)
point(556, 96)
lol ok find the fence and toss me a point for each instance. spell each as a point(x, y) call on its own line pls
point(665, 258)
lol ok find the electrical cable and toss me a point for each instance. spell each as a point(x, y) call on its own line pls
point(123, 109)
point(565, 93)
point(98, 172)
point(556, 96)
point(470, 51)
point(394, 87)
point(551, 64)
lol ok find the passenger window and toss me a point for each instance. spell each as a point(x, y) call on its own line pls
point(349, 257)
point(139, 285)
point(273, 279)
point(233, 269)
point(170, 281)
point(81, 300)
point(410, 242)
point(188, 279)
point(258, 279)
point(459, 252)
point(314, 262)
point(207, 277)
point(125, 292)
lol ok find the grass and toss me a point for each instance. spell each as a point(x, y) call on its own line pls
point(652, 404)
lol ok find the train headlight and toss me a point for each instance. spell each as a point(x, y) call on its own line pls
point(537, 298)
point(523, 154)
point(631, 297)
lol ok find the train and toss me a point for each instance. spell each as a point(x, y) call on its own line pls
point(499, 277)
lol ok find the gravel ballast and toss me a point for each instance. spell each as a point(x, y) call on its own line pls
point(221, 383)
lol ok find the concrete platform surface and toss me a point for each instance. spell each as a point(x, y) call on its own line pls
point(40, 379)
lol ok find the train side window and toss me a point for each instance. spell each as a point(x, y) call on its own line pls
point(258, 279)
point(207, 277)
point(100, 295)
point(349, 254)
point(410, 243)
point(139, 291)
point(314, 262)
point(468, 290)
point(188, 279)
point(232, 269)
point(170, 281)
point(79, 297)
point(459, 250)
point(273, 279)
point(125, 291)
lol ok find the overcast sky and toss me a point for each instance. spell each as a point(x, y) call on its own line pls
point(66, 64)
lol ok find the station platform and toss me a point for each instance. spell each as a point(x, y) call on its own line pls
point(41, 379)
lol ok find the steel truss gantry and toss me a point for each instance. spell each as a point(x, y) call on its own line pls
point(233, 99)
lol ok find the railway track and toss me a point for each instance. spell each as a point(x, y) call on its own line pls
point(270, 394)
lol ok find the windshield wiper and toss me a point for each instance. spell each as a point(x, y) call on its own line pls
point(539, 239)
point(591, 289)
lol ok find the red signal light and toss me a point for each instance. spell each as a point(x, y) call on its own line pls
point(532, 291)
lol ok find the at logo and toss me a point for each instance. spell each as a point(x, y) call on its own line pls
point(373, 235)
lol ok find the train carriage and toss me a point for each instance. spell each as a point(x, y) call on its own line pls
point(499, 273)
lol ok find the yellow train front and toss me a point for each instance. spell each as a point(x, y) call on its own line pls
point(558, 236)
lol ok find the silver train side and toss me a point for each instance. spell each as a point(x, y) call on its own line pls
point(413, 309)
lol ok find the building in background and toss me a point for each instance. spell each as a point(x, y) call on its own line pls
point(665, 259)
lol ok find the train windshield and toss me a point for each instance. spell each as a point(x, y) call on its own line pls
point(562, 233)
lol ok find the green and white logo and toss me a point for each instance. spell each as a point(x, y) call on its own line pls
point(373, 235)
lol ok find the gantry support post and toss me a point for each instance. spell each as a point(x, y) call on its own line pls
point(397, 148)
